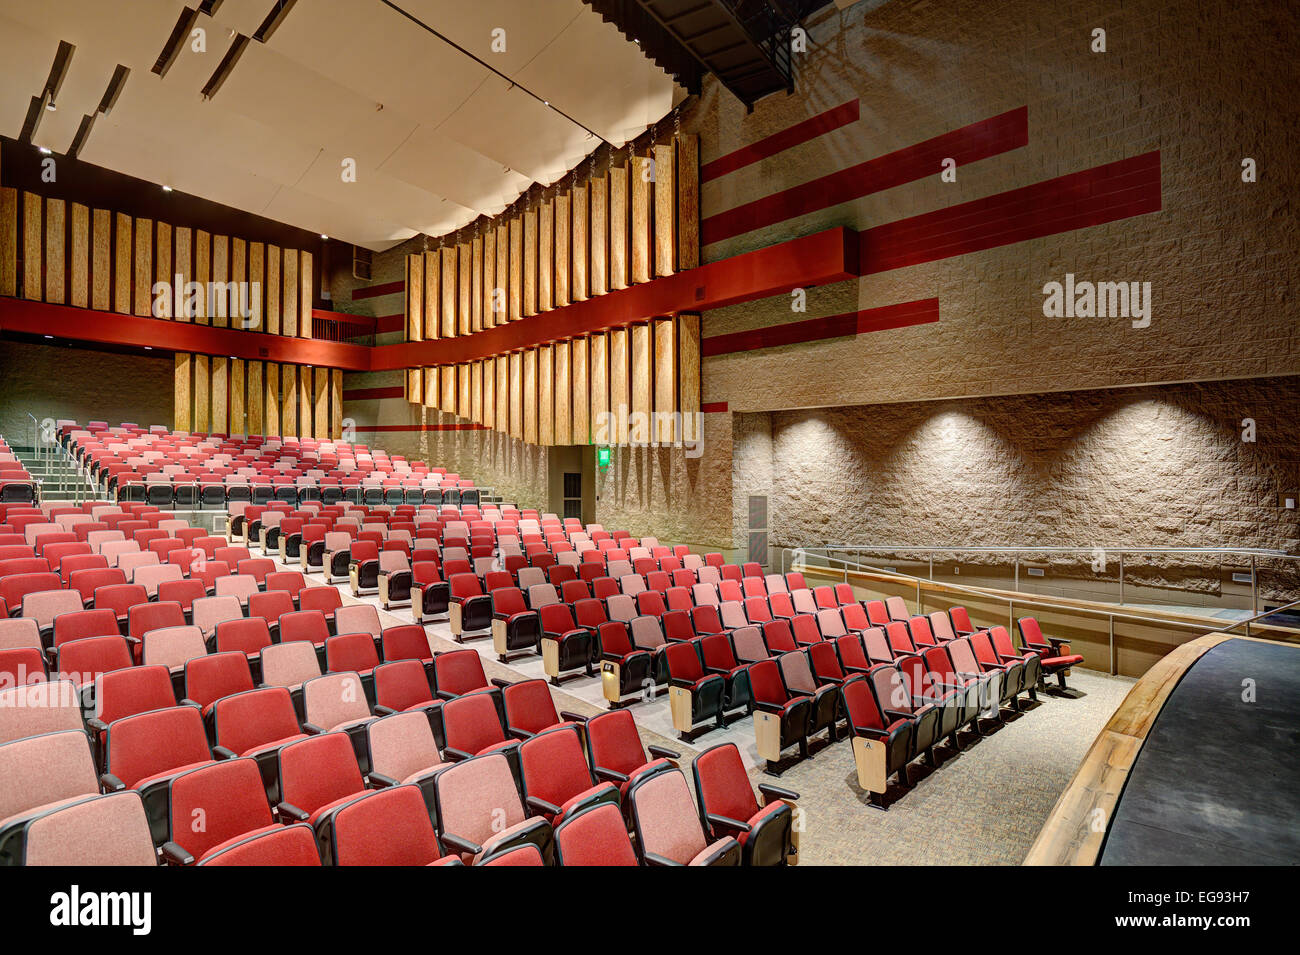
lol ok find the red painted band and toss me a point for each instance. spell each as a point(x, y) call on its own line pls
point(769, 146)
point(713, 407)
point(1117, 190)
point(902, 315)
point(989, 137)
point(370, 394)
point(387, 428)
point(388, 288)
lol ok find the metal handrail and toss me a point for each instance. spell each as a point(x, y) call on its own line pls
point(1254, 553)
point(1010, 601)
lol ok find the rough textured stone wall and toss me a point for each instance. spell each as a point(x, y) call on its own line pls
point(63, 382)
point(1141, 467)
point(1199, 80)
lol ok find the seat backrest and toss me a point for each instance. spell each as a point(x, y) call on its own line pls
point(110, 830)
point(722, 783)
point(459, 671)
point(228, 796)
point(357, 618)
point(472, 723)
point(243, 721)
point(897, 608)
point(529, 706)
point(594, 837)
point(149, 743)
point(797, 673)
point(209, 678)
point(390, 827)
point(319, 770)
point(554, 766)
point(44, 769)
point(333, 699)
point(665, 817)
point(173, 647)
point(289, 664)
point(860, 705)
point(477, 798)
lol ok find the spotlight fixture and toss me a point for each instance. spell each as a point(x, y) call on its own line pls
point(324, 236)
point(43, 150)
point(166, 188)
point(50, 107)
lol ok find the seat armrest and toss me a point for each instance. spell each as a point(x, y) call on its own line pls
point(682, 683)
point(662, 752)
point(498, 682)
point(900, 714)
point(312, 729)
point(609, 775)
point(289, 810)
point(868, 731)
point(542, 807)
point(111, 783)
point(379, 780)
point(174, 854)
point(459, 844)
point(223, 752)
point(456, 754)
point(573, 717)
point(768, 707)
point(381, 710)
point(96, 724)
point(726, 822)
point(652, 858)
point(777, 792)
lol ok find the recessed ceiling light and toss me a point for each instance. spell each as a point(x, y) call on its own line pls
point(44, 150)
point(167, 188)
point(546, 102)
point(49, 336)
point(148, 348)
point(324, 236)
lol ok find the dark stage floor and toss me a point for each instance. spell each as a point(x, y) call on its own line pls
point(1218, 780)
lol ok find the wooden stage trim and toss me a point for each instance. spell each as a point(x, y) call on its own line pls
point(1077, 826)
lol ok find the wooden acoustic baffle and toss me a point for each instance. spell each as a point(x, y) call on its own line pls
point(414, 322)
point(642, 170)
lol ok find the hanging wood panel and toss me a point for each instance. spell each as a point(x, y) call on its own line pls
point(516, 382)
point(448, 400)
point(530, 262)
point(183, 265)
point(32, 271)
point(516, 285)
point(220, 393)
point(203, 275)
point(546, 256)
point(219, 301)
point(183, 393)
point(271, 397)
point(488, 373)
point(257, 286)
point(642, 168)
point(256, 421)
point(464, 261)
point(562, 393)
point(143, 297)
point(273, 291)
point(620, 395)
point(289, 400)
point(122, 264)
point(476, 285)
point(449, 292)
point(55, 275)
point(563, 244)
point(500, 293)
point(688, 201)
point(202, 393)
point(238, 411)
point(304, 392)
point(289, 304)
point(642, 372)
point(165, 306)
point(545, 395)
point(9, 241)
point(665, 209)
point(336, 403)
point(239, 317)
point(79, 256)
point(305, 295)
point(530, 395)
point(462, 391)
point(580, 251)
point(476, 391)
point(501, 391)
point(618, 227)
point(601, 431)
point(101, 268)
point(665, 381)
point(578, 352)
point(321, 404)
point(489, 277)
point(414, 322)
point(688, 371)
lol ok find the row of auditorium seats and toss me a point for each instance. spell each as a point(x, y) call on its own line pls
point(194, 470)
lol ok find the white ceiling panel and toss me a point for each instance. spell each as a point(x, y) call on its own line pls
point(439, 138)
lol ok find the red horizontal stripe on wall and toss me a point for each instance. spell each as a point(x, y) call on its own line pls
point(390, 323)
point(713, 407)
point(989, 137)
point(388, 288)
point(795, 135)
point(385, 428)
point(369, 394)
point(1117, 190)
point(861, 322)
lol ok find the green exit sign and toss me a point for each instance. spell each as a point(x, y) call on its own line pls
point(602, 458)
